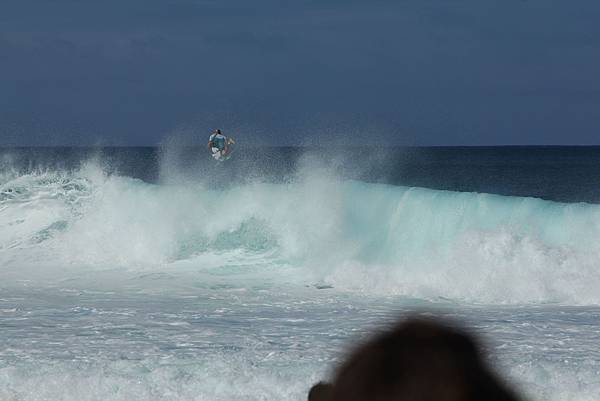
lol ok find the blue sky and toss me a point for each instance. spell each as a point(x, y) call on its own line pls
point(407, 72)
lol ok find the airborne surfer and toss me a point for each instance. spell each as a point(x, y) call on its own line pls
point(219, 145)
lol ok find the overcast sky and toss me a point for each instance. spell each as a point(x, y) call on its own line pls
point(407, 72)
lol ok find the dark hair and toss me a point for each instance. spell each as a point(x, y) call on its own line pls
point(418, 360)
point(320, 392)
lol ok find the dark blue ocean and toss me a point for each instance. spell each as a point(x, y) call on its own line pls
point(558, 173)
point(160, 274)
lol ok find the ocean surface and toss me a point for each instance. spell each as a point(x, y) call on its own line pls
point(159, 274)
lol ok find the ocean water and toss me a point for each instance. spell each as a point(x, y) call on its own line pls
point(156, 274)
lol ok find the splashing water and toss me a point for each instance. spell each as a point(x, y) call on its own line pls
point(114, 288)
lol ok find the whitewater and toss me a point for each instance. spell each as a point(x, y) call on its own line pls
point(117, 288)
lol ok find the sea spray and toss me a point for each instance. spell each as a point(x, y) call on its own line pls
point(352, 235)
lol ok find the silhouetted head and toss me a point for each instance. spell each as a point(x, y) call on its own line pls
point(217, 131)
point(320, 392)
point(418, 360)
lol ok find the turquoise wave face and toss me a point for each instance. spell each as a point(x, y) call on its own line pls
point(350, 235)
point(401, 222)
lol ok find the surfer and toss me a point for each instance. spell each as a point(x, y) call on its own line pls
point(219, 145)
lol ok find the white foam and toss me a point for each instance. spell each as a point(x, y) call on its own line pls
point(372, 238)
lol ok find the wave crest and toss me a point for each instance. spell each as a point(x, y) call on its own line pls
point(352, 235)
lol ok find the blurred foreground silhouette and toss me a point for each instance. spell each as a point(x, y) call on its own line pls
point(417, 360)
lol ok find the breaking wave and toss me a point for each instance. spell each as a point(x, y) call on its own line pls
point(349, 235)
